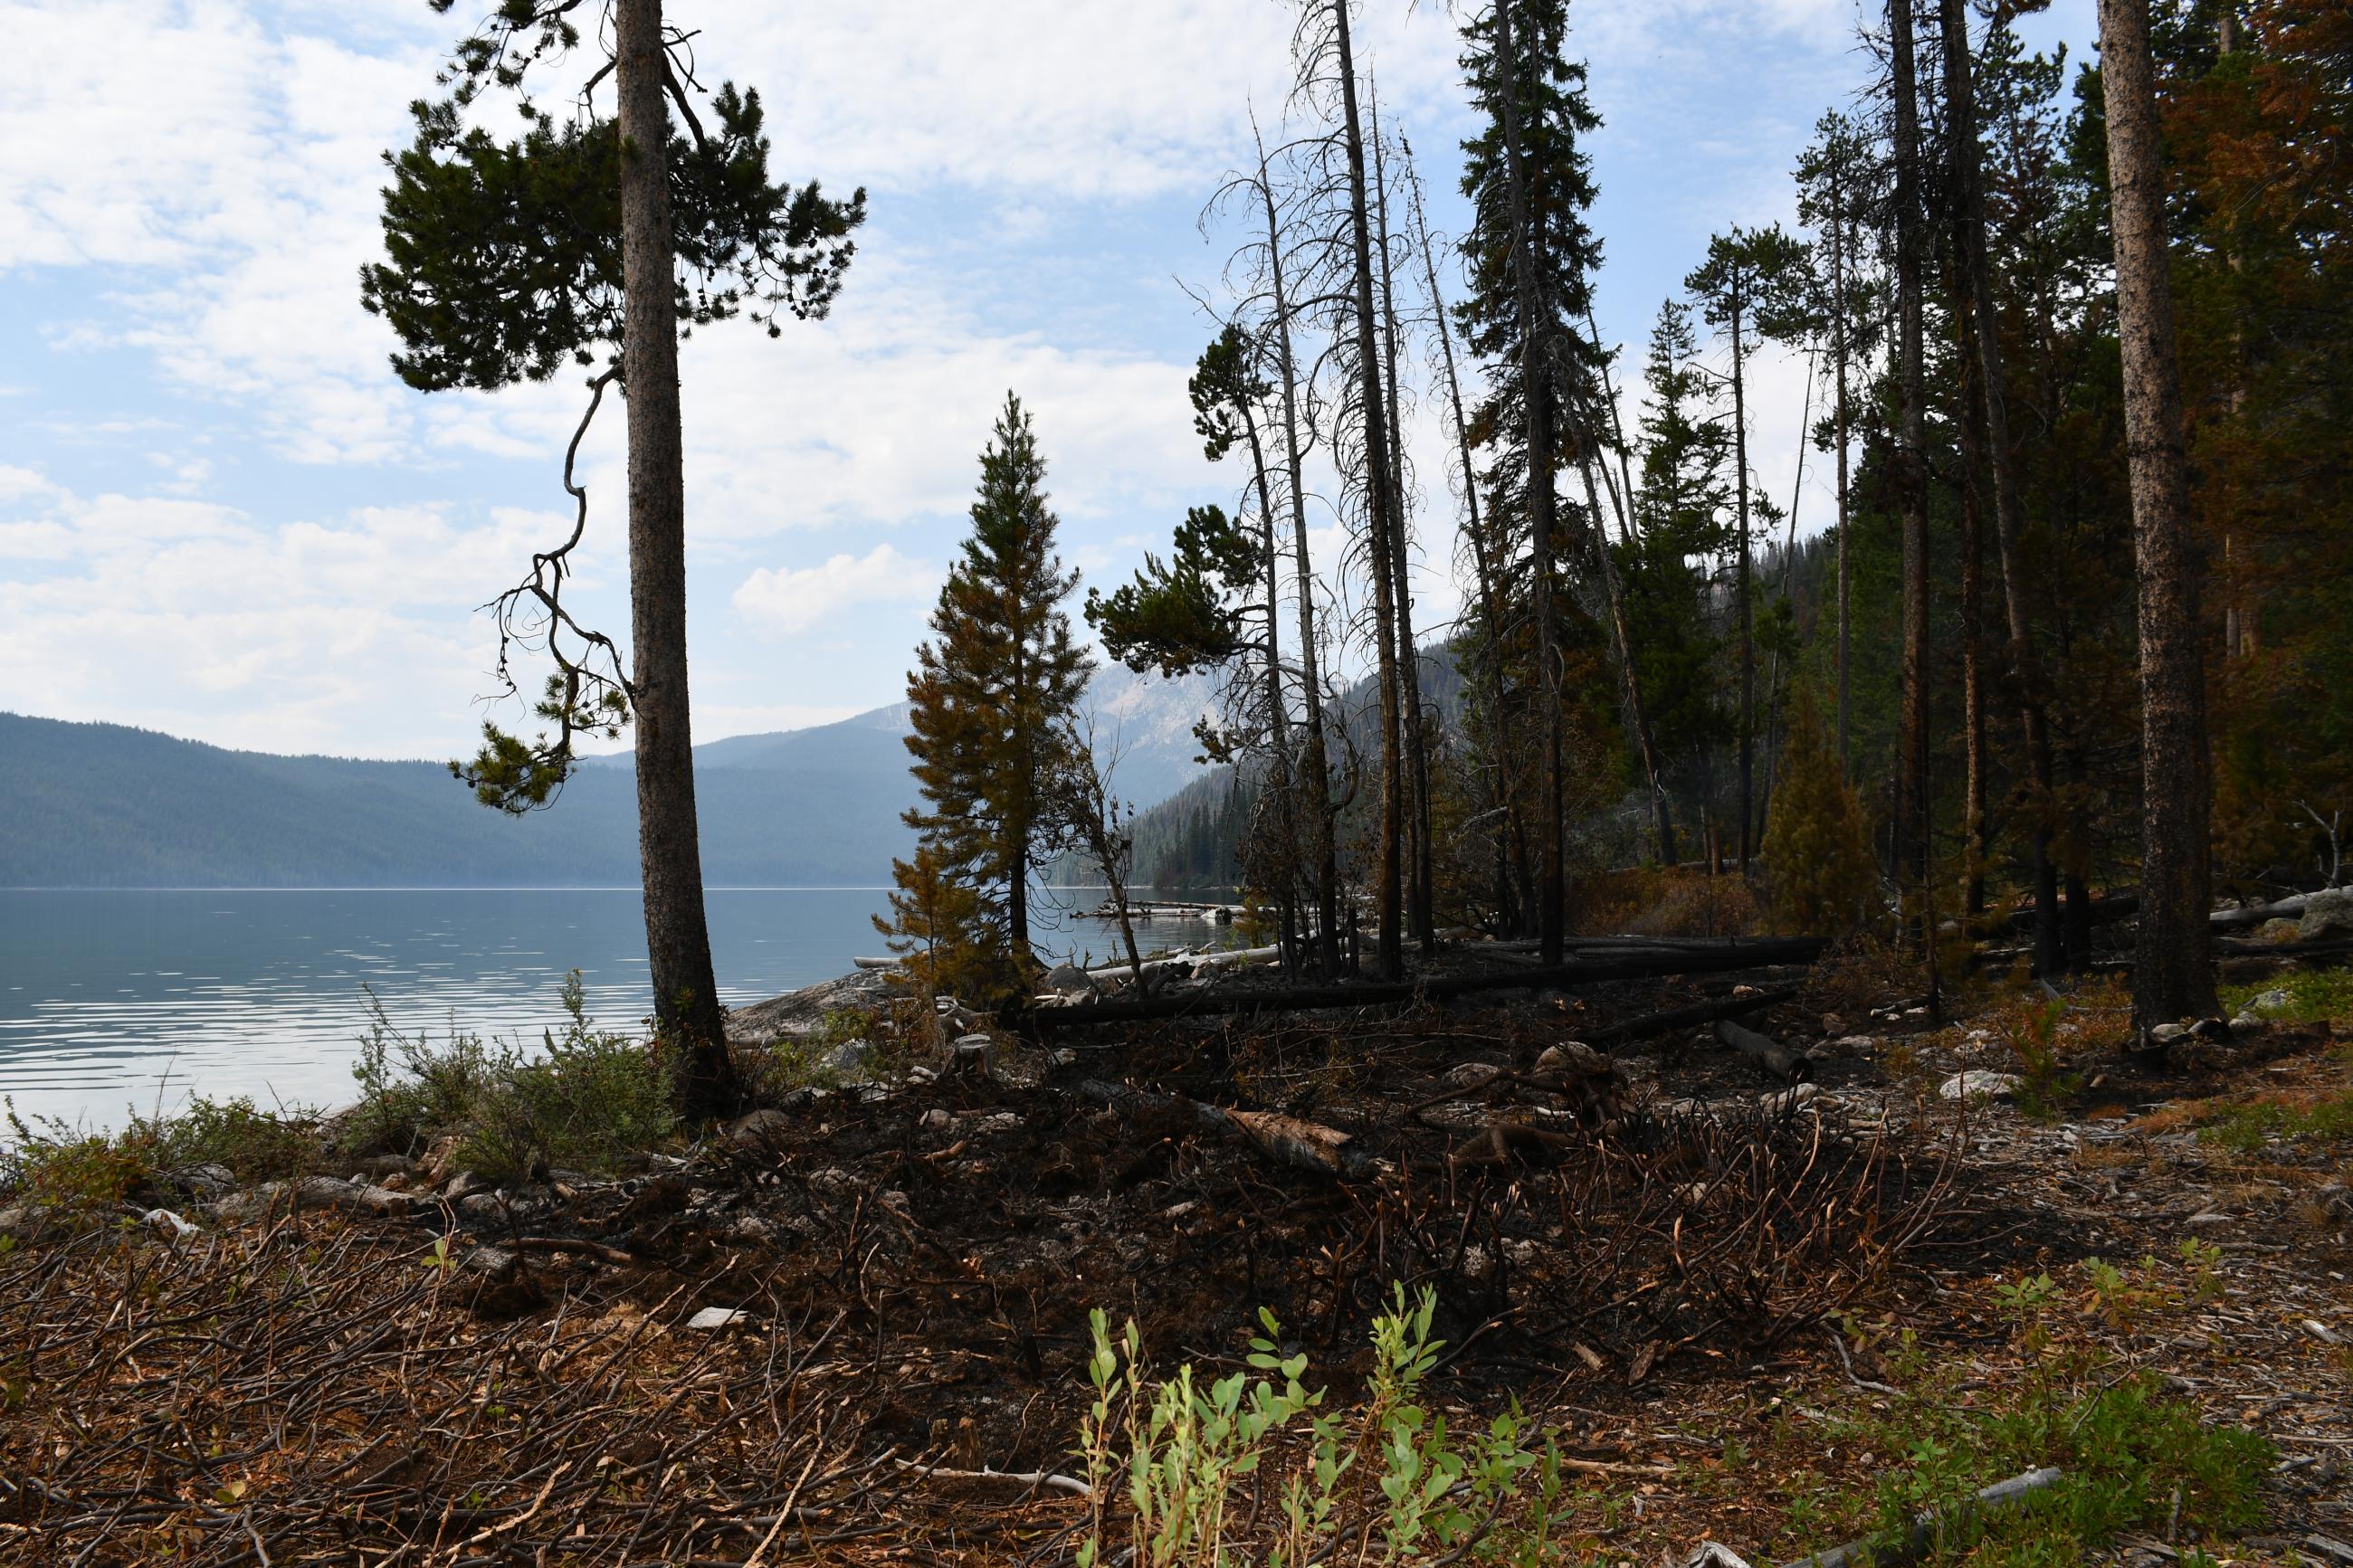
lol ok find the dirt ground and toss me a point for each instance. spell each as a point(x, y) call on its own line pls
point(1706, 1282)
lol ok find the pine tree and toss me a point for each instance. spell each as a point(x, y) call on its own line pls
point(991, 690)
point(1817, 860)
point(601, 232)
point(936, 927)
point(1532, 258)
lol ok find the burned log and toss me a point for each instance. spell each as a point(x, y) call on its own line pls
point(1651, 1024)
point(1731, 954)
point(1790, 1066)
point(1286, 1140)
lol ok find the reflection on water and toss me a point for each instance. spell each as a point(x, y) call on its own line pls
point(115, 999)
point(110, 999)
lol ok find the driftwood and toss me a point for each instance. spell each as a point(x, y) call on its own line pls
point(1879, 1552)
point(1286, 1140)
point(1790, 1066)
point(1731, 954)
point(1651, 1024)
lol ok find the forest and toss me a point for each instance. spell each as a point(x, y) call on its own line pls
point(1810, 1040)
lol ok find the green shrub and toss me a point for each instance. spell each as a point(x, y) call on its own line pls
point(68, 1175)
point(1180, 1451)
point(255, 1145)
point(593, 1099)
point(2314, 996)
point(411, 1090)
point(1820, 871)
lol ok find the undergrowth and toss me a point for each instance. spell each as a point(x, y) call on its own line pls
point(2313, 996)
point(589, 1100)
point(1181, 1453)
point(2131, 1455)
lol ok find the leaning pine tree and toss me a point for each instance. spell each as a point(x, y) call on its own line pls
point(990, 694)
point(602, 234)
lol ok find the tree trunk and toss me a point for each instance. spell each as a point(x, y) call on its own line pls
point(2009, 511)
point(1748, 625)
point(1976, 826)
point(1389, 952)
point(1277, 719)
point(678, 941)
point(1552, 897)
point(1490, 612)
point(1636, 719)
point(1912, 441)
point(2173, 975)
point(1417, 756)
point(1837, 355)
point(1315, 768)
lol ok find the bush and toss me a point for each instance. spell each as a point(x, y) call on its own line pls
point(1818, 859)
point(595, 1098)
point(255, 1145)
point(591, 1100)
point(1180, 1452)
point(66, 1175)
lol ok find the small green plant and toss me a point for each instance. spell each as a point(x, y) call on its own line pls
point(2044, 1084)
point(1176, 1453)
point(411, 1090)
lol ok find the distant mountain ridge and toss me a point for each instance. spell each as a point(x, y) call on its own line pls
point(105, 805)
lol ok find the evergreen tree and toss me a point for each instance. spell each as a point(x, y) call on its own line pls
point(601, 232)
point(1749, 282)
point(1531, 256)
point(1818, 861)
point(991, 690)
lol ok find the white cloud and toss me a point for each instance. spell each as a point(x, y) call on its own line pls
point(792, 601)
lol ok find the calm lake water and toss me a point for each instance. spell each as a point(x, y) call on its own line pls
point(118, 999)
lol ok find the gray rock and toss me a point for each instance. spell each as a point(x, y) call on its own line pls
point(798, 1013)
point(487, 1208)
point(1069, 979)
point(764, 1126)
point(2276, 930)
point(1978, 1084)
point(464, 1183)
point(205, 1183)
point(2328, 916)
point(1469, 1075)
point(2268, 1002)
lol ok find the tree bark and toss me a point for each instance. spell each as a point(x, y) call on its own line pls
point(1837, 355)
point(1315, 767)
point(2173, 976)
point(2009, 512)
point(1389, 953)
point(1513, 839)
point(1911, 459)
point(677, 940)
point(1417, 758)
point(1552, 895)
point(1976, 827)
point(1748, 625)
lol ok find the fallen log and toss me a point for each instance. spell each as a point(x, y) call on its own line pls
point(1651, 1024)
point(1790, 1066)
point(1286, 1140)
point(1880, 1553)
point(2121, 906)
point(1730, 955)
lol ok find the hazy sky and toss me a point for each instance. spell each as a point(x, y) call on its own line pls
point(221, 515)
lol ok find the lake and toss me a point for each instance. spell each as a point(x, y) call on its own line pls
point(111, 1000)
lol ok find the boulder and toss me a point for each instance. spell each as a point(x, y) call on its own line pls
point(2328, 916)
point(1978, 1084)
point(205, 1183)
point(2276, 930)
point(764, 1126)
point(1069, 979)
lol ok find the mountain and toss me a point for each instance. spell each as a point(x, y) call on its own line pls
point(108, 806)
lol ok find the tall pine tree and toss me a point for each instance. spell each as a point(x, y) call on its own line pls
point(990, 693)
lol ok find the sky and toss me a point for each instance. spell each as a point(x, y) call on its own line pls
point(223, 517)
